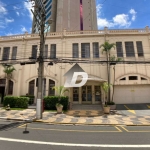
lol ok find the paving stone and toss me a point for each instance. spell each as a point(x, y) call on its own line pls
point(74, 120)
point(59, 120)
point(89, 120)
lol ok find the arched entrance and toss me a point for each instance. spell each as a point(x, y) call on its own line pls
point(90, 93)
point(48, 85)
point(2, 88)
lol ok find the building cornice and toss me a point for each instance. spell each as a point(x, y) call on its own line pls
point(76, 34)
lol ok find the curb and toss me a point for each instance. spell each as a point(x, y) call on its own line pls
point(63, 123)
point(18, 119)
point(40, 121)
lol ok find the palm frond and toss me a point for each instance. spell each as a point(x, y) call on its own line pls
point(107, 46)
point(105, 86)
point(61, 90)
point(8, 69)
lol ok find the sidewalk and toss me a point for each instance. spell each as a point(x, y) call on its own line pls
point(92, 117)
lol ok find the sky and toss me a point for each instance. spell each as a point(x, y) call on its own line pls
point(16, 15)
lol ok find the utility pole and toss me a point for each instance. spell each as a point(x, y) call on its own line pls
point(41, 69)
point(39, 17)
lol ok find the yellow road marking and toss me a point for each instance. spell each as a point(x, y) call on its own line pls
point(148, 106)
point(132, 131)
point(124, 128)
point(132, 111)
point(139, 131)
point(21, 125)
point(69, 130)
point(118, 129)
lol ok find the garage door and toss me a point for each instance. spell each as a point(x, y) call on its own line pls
point(125, 94)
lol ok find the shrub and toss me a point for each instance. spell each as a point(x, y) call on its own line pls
point(64, 101)
point(11, 100)
point(51, 101)
point(16, 102)
point(111, 103)
point(31, 98)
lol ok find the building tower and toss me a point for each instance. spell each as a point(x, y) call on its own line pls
point(75, 15)
point(72, 15)
point(50, 7)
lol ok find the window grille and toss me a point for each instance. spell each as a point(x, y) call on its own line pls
point(85, 50)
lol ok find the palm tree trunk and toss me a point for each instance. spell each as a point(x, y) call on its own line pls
point(6, 86)
point(108, 94)
point(108, 76)
point(113, 84)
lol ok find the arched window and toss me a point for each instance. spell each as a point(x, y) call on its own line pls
point(10, 87)
point(31, 87)
point(2, 82)
point(51, 85)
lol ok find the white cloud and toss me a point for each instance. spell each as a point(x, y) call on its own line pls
point(28, 6)
point(9, 20)
point(16, 7)
point(133, 13)
point(104, 23)
point(9, 34)
point(98, 8)
point(121, 20)
point(18, 13)
point(23, 29)
point(3, 10)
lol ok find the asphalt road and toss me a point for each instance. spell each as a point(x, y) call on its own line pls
point(60, 137)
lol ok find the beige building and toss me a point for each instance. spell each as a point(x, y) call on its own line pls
point(132, 81)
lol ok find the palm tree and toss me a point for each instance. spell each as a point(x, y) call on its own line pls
point(8, 70)
point(105, 86)
point(113, 60)
point(106, 48)
point(61, 90)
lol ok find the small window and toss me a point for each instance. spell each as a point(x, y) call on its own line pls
point(14, 53)
point(53, 51)
point(10, 87)
point(31, 87)
point(139, 48)
point(2, 82)
point(46, 52)
point(123, 79)
point(119, 49)
point(6, 51)
point(34, 51)
point(75, 50)
point(51, 90)
point(85, 50)
point(96, 50)
point(143, 78)
point(75, 94)
point(129, 49)
point(133, 78)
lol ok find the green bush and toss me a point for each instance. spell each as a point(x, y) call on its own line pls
point(64, 101)
point(51, 101)
point(111, 103)
point(31, 98)
point(16, 102)
point(11, 100)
